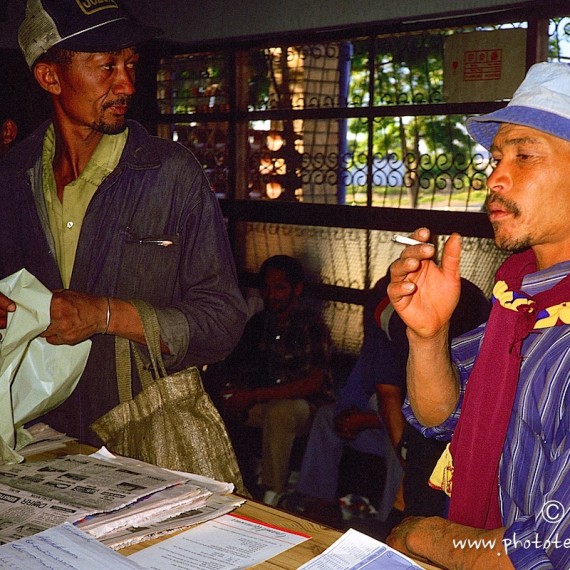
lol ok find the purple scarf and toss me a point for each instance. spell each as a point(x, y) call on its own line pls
point(479, 437)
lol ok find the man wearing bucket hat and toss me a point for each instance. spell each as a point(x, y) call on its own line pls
point(101, 212)
point(501, 395)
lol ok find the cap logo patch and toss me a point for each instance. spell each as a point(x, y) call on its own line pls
point(91, 6)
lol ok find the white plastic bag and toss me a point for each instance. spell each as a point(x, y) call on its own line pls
point(35, 376)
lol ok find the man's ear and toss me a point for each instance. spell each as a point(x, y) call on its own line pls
point(299, 289)
point(9, 131)
point(46, 76)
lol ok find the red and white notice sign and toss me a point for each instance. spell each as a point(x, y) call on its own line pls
point(483, 66)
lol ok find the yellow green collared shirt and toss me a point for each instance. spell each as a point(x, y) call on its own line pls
point(66, 217)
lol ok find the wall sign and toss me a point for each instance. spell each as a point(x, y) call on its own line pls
point(483, 66)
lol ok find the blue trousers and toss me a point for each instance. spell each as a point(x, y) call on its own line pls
point(320, 468)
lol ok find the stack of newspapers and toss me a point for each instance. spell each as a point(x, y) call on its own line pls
point(119, 501)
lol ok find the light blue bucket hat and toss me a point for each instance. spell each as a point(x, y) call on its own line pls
point(541, 102)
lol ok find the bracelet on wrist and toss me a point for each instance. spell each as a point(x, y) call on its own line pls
point(108, 315)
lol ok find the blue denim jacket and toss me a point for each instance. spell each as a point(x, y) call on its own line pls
point(158, 191)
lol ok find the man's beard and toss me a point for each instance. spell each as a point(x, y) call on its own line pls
point(110, 129)
point(507, 243)
point(510, 244)
point(113, 128)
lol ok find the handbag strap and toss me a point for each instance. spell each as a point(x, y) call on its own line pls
point(126, 350)
point(151, 329)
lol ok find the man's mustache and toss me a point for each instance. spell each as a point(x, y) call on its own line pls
point(120, 101)
point(508, 205)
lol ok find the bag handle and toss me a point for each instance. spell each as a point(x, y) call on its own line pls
point(125, 350)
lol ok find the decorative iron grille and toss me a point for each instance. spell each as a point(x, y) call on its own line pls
point(386, 142)
point(396, 158)
point(559, 39)
point(209, 143)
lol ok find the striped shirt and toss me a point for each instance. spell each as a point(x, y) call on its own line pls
point(534, 472)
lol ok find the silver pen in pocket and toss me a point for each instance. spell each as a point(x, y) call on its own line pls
point(153, 241)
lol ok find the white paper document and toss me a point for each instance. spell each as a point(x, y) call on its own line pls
point(230, 542)
point(63, 546)
point(354, 550)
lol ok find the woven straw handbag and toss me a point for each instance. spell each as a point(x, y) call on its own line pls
point(172, 422)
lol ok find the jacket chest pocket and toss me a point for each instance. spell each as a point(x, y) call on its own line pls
point(149, 267)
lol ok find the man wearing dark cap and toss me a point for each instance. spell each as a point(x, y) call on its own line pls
point(502, 395)
point(101, 212)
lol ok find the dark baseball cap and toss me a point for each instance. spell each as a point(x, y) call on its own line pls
point(79, 25)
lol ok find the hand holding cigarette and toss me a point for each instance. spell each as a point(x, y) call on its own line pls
point(423, 291)
point(404, 240)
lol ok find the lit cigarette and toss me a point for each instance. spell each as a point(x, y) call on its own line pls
point(408, 241)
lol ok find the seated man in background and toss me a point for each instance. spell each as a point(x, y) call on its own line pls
point(380, 370)
point(276, 377)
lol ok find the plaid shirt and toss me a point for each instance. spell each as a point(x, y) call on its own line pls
point(271, 353)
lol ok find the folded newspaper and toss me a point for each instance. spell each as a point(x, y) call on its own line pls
point(106, 496)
